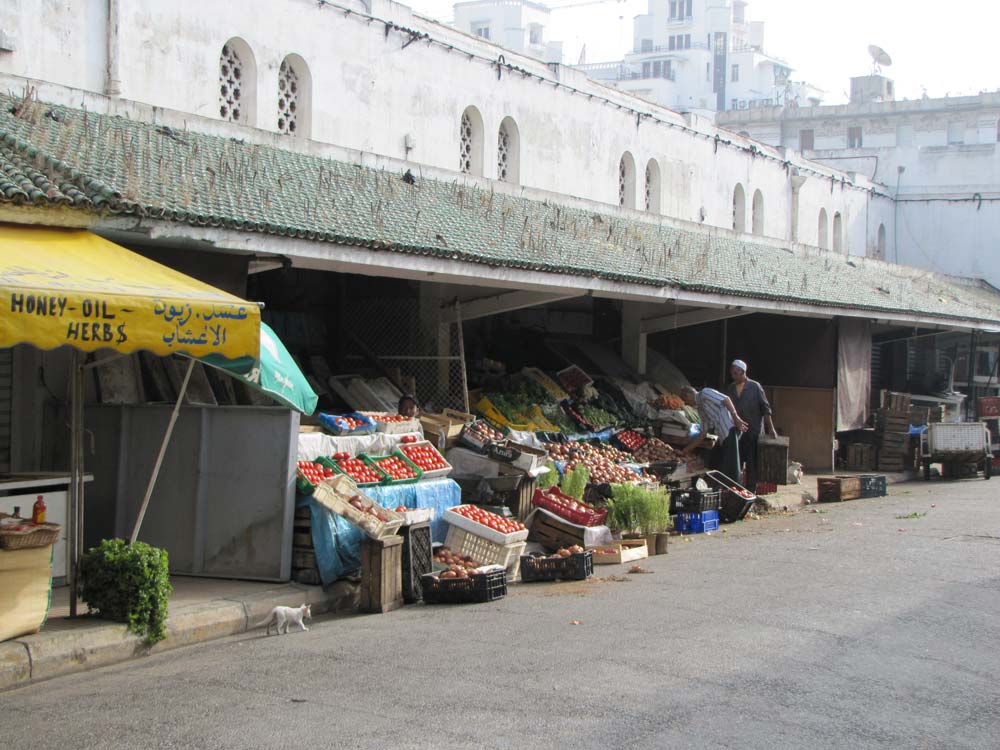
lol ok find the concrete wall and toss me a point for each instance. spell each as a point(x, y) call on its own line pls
point(947, 213)
point(369, 92)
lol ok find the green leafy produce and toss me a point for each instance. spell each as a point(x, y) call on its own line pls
point(557, 416)
point(597, 417)
point(128, 583)
point(634, 508)
point(574, 482)
point(550, 478)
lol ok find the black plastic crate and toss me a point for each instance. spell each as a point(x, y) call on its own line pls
point(695, 501)
point(418, 558)
point(476, 589)
point(572, 568)
point(873, 485)
point(734, 507)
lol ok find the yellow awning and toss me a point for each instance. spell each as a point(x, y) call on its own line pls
point(65, 287)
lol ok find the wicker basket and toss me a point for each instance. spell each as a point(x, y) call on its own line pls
point(41, 535)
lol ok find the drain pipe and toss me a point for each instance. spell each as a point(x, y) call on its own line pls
point(112, 83)
point(895, 213)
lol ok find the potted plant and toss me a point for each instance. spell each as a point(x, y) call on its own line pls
point(641, 514)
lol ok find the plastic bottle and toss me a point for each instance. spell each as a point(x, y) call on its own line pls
point(38, 511)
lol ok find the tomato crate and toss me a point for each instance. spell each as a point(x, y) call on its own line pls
point(478, 588)
point(556, 502)
point(474, 527)
point(395, 426)
point(334, 464)
point(425, 446)
point(574, 379)
point(736, 499)
point(629, 440)
point(485, 552)
point(379, 460)
point(337, 493)
point(336, 424)
point(697, 523)
point(536, 568)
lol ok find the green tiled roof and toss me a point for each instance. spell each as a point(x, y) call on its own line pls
point(56, 155)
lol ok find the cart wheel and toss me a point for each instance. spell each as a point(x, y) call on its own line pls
point(927, 472)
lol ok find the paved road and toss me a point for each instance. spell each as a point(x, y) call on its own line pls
point(847, 628)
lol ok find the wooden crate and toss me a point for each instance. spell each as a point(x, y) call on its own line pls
point(381, 574)
point(554, 533)
point(838, 489)
point(898, 402)
point(772, 459)
point(861, 457)
point(625, 551)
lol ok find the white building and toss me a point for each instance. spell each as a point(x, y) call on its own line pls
point(938, 158)
point(517, 25)
point(702, 55)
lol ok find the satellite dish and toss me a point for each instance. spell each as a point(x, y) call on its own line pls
point(880, 58)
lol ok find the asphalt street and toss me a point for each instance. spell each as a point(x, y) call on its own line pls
point(853, 627)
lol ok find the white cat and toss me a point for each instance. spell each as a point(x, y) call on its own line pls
point(280, 617)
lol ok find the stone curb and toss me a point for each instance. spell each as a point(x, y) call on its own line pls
point(99, 643)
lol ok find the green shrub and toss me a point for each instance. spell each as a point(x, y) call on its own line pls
point(128, 583)
point(633, 508)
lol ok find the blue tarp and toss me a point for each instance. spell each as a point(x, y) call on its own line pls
point(337, 542)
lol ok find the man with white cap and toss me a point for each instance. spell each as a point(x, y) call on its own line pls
point(753, 407)
point(718, 416)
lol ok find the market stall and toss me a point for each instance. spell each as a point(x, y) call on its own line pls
point(75, 289)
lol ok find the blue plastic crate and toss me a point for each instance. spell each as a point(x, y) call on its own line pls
point(697, 523)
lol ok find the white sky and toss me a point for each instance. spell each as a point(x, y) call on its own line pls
point(943, 47)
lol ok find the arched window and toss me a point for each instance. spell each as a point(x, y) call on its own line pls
point(838, 232)
point(237, 83)
point(758, 213)
point(880, 242)
point(626, 181)
point(653, 186)
point(739, 209)
point(823, 235)
point(508, 152)
point(294, 97)
point(470, 153)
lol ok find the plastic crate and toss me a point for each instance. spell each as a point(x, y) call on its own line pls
point(549, 499)
point(697, 501)
point(335, 495)
point(555, 390)
point(495, 417)
point(434, 474)
point(333, 423)
point(873, 485)
point(697, 523)
point(472, 440)
point(476, 589)
point(958, 438)
point(485, 552)
point(474, 527)
point(572, 568)
point(417, 559)
point(402, 457)
point(335, 465)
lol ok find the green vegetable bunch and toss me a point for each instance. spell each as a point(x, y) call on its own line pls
point(574, 482)
point(128, 583)
point(633, 508)
point(548, 479)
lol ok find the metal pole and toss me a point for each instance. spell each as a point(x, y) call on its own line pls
point(74, 488)
point(81, 499)
point(461, 355)
point(163, 451)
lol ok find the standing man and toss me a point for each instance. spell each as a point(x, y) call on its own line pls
point(718, 415)
point(753, 407)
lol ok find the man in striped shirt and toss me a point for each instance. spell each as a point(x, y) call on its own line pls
point(719, 416)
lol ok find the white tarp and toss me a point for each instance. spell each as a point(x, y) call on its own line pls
point(854, 373)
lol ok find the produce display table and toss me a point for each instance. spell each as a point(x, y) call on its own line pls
point(337, 542)
point(25, 590)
